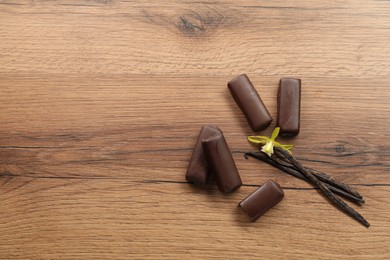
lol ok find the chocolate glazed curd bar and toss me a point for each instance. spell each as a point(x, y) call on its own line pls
point(221, 162)
point(262, 199)
point(289, 106)
point(249, 102)
point(198, 168)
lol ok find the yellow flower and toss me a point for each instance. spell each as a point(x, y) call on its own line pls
point(268, 148)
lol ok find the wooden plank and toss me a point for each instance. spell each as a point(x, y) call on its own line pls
point(50, 217)
point(132, 125)
point(197, 38)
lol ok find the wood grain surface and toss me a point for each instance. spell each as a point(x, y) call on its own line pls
point(101, 103)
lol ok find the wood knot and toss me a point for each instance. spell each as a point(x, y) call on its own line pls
point(197, 20)
point(340, 149)
point(202, 22)
point(191, 25)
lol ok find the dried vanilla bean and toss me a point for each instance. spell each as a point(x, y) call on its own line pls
point(323, 177)
point(292, 171)
point(337, 201)
point(279, 155)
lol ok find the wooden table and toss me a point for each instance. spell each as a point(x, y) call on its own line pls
point(101, 103)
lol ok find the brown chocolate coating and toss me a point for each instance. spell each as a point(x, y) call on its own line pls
point(262, 199)
point(198, 167)
point(221, 162)
point(289, 106)
point(250, 102)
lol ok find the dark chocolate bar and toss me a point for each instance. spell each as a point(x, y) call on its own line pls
point(289, 106)
point(221, 162)
point(250, 102)
point(262, 199)
point(198, 167)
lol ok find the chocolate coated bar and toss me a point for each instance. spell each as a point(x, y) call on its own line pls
point(198, 167)
point(221, 162)
point(262, 199)
point(249, 102)
point(289, 106)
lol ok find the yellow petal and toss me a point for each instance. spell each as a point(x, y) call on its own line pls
point(284, 146)
point(275, 133)
point(287, 146)
point(258, 139)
